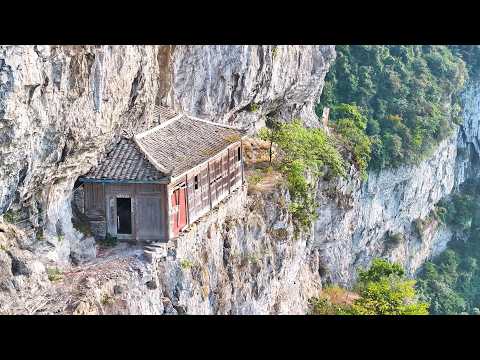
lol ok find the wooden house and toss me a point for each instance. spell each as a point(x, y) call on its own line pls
point(152, 186)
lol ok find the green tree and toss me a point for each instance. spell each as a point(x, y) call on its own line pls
point(384, 290)
point(303, 155)
point(379, 269)
point(270, 133)
point(349, 111)
point(357, 141)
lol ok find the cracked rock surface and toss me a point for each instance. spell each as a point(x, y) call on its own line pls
point(63, 107)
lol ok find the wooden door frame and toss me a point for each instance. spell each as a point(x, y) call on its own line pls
point(113, 195)
point(180, 185)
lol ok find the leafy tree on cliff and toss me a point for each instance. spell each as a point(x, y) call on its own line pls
point(303, 152)
point(382, 289)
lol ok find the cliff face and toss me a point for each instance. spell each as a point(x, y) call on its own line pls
point(61, 107)
point(240, 84)
point(468, 160)
point(356, 219)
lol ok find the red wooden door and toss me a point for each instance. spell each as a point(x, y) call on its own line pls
point(179, 210)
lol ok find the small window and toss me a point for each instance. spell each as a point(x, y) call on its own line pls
point(195, 181)
point(238, 154)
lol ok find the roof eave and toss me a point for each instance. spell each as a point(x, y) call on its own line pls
point(177, 177)
point(158, 166)
point(85, 180)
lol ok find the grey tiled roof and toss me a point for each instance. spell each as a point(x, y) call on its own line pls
point(164, 113)
point(125, 162)
point(176, 146)
point(186, 142)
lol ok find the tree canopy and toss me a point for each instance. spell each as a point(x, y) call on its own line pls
point(451, 281)
point(407, 97)
point(382, 289)
point(303, 153)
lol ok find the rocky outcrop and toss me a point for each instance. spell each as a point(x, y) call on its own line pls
point(243, 258)
point(468, 160)
point(360, 221)
point(241, 84)
point(357, 221)
point(61, 107)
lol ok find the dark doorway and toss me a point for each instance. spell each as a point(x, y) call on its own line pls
point(124, 215)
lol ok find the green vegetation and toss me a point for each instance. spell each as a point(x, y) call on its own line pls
point(451, 282)
point(458, 211)
point(419, 227)
point(186, 264)
point(109, 241)
point(274, 52)
point(39, 234)
point(401, 91)
point(471, 55)
point(54, 274)
point(334, 300)
point(253, 107)
point(11, 216)
point(253, 258)
point(256, 177)
point(351, 125)
point(382, 289)
point(303, 152)
point(438, 213)
point(107, 299)
point(393, 240)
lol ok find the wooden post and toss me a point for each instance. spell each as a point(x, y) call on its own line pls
point(270, 150)
point(228, 169)
point(186, 199)
point(166, 194)
point(241, 160)
point(209, 189)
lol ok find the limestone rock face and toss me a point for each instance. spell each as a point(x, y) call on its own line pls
point(355, 219)
point(61, 107)
point(468, 160)
point(240, 84)
point(243, 258)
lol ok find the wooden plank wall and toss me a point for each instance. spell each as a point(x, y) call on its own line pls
point(198, 199)
point(151, 202)
point(216, 180)
point(94, 201)
point(149, 208)
point(152, 211)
